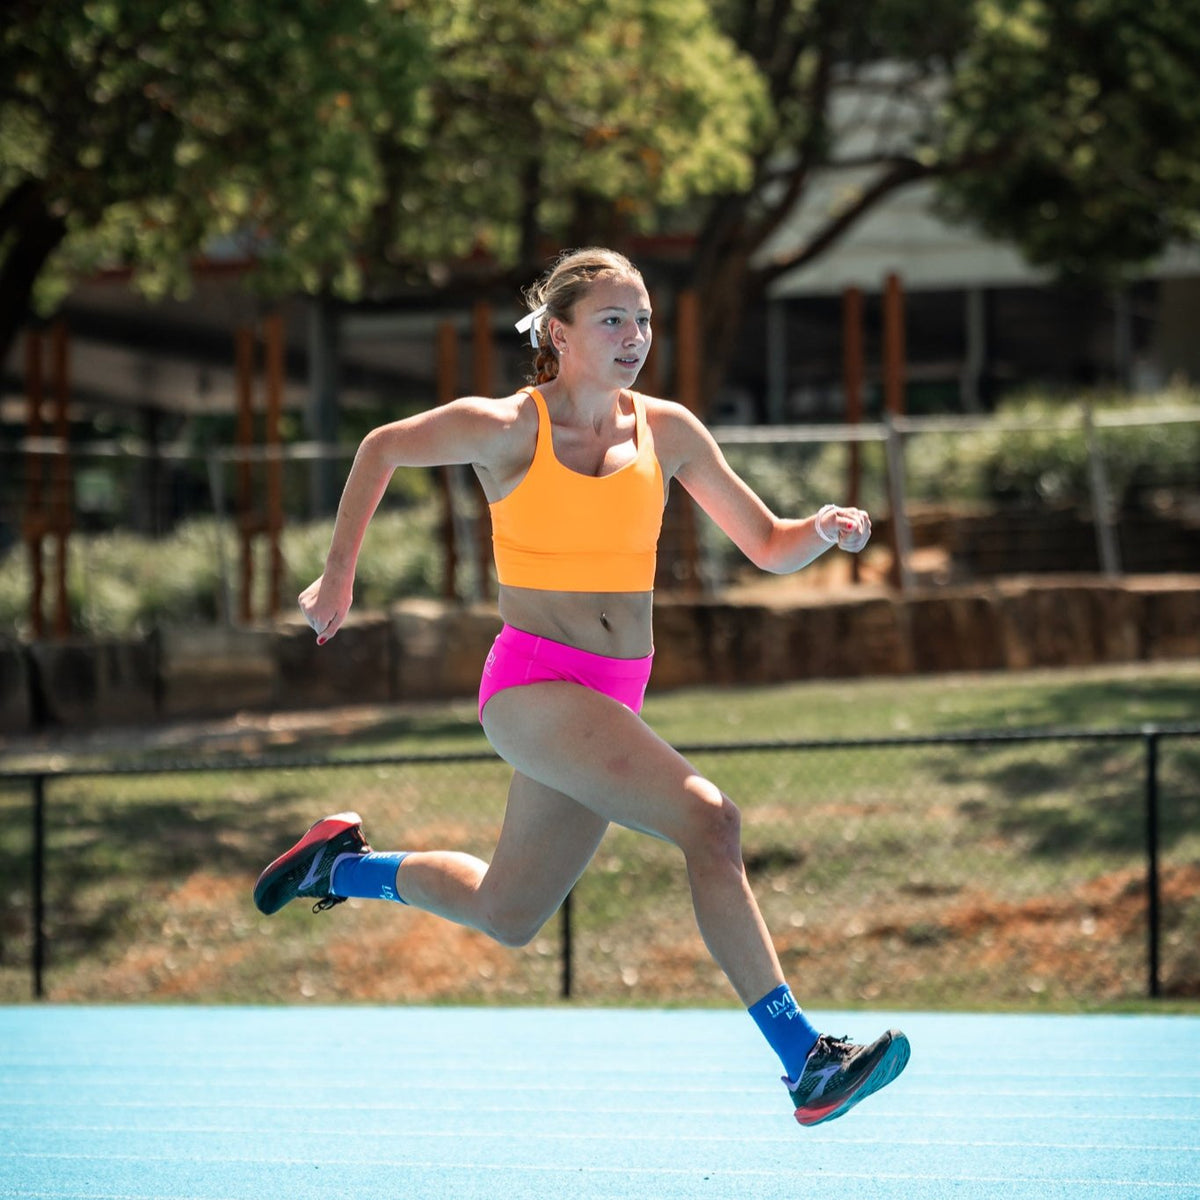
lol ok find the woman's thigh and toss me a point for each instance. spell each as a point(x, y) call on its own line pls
point(595, 750)
point(545, 843)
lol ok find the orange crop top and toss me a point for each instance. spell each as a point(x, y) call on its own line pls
point(560, 531)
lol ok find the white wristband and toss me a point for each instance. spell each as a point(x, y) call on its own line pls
point(830, 538)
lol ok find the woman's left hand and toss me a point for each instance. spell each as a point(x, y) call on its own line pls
point(852, 525)
point(325, 606)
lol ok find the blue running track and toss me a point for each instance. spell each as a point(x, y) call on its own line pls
point(349, 1103)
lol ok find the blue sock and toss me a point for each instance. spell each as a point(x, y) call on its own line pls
point(371, 876)
point(786, 1028)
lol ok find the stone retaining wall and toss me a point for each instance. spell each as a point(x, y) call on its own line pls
point(426, 650)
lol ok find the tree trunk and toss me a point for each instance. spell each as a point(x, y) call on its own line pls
point(531, 194)
point(728, 282)
point(32, 233)
point(726, 285)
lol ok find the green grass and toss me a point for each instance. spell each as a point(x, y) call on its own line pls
point(1122, 697)
point(902, 876)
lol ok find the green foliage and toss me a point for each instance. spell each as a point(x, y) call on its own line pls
point(1085, 118)
point(1042, 462)
point(797, 479)
point(1048, 463)
point(341, 144)
point(794, 480)
point(572, 121)
point(117, 581)
point(320, 138)
point(122, 584)
point(401, 557)
point(1071, 127)
point(153, 128)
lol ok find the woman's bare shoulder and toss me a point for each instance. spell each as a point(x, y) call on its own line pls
point(470, 429)
point(496, 411)
point(509, 424)
point(678, 432)
point(668, 411)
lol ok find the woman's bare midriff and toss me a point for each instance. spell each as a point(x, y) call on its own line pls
point(619, 624)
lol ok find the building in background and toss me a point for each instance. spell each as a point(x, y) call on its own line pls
point(979, 321)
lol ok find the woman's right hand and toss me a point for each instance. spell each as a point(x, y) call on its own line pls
point(325, 607)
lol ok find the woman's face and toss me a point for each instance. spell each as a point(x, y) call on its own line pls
point(609, 337)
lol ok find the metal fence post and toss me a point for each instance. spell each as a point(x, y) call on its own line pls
point(216, 487)
point(1102, 506)
point(897, 489)
point(567, 950)
point(38, 883)
point(1152, 897)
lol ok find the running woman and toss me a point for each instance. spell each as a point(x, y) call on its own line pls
point(575, 470)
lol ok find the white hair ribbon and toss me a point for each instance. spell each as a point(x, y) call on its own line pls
point(532, 323)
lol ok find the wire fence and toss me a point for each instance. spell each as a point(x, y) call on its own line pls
point(960, 498)
point(954, 499)
point(986, 870)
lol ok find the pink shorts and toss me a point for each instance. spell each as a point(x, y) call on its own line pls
point(518, 658)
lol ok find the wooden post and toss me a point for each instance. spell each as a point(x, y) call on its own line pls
point(650, 378)
point(893, 345)
point(482, 350)
point(35, 523)
point(255, 518)
point(48, 493)
point(893, 392)
point(445, 378)
point(852, 375)
point(243, 387)
point(61, 489)
point(275, 349)
point(687, 352)
point(483, 356)
point(687, 392)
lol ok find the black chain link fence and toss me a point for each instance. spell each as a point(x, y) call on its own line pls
point(1035, 871)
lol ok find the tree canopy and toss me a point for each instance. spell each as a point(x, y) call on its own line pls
point(328, 141)
point(1093, 110)
point(577, 122)
point(135, 132)
point(355, 143)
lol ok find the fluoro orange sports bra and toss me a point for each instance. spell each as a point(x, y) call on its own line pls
point(560, 531)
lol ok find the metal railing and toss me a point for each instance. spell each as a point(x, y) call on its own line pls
point(1081, 488)
point(919, 842)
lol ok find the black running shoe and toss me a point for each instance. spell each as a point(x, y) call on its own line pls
point(839, 1074)
point(305, 869)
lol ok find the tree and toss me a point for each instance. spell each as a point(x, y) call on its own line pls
point(1095, 111)
point(134, 132)
point(568, 123)
point(1068, 126)
point(371, 140)
point(364, 140)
